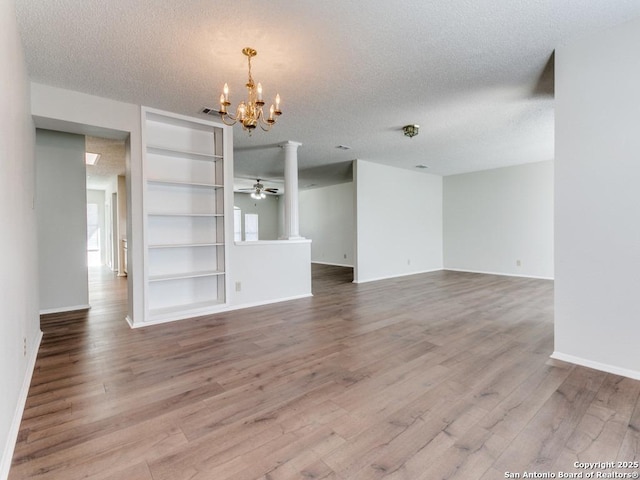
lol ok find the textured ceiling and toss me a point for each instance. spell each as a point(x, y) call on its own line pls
point(111, 161)
point(475, 75)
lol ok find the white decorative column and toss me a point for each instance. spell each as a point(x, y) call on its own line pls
point(291, 220)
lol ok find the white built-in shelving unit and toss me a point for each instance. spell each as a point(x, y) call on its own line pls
point(184, 203)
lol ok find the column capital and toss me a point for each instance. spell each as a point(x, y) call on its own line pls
point(290, 144)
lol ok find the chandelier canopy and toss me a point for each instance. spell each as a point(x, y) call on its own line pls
point(411, 130)
point(249, 112)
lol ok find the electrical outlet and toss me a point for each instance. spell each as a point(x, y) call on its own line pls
point(518, 263)
point(345, 256)
point(24, 346)
point(408, 261)
point(238, 286)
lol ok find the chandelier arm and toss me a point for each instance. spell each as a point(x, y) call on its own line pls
point(264, 125)
point(226, 115)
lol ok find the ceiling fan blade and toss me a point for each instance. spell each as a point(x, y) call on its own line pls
point(271, 190)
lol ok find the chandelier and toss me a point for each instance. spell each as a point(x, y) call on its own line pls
point(249, 112)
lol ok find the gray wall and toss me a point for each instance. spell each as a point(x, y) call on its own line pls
point(267, 210)
point(327, 217)
point(61, 201)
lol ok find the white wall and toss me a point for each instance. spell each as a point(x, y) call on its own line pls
point(398, 222)
point(265, 271)
point(269, 271)
point(597, 208)
point(65, 110)
point(19, 322)
point(117, 184)
point(267, 210)
point(327, 216)
point(495, 218)
point(98, 197)
point(61, 208)
point(122, 221)
point(110, 188)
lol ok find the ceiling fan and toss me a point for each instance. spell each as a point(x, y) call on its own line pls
point(258, 191)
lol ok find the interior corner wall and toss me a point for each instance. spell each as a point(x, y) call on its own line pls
point(19, 322)
point(398, 222)
point(500, 221)
point(597, 201)
point(327, 217)
point(61, 206)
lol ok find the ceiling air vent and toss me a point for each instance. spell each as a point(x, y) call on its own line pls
point(210, 111)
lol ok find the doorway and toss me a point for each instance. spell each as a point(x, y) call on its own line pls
point(106, 214)
point(78, 219)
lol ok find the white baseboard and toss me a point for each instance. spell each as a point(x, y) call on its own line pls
point(73, 308)
point(603, 367)
point(267, 302)
point(397, 276)
point(12, 438)
point(498, 273)
point(332, 264)
point(222, 309)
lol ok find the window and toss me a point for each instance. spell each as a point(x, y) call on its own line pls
point(93, 227)
point(251, 227)
point(237, 224)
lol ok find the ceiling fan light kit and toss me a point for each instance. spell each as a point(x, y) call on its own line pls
point(259, 192)
point(411, 130)
point(249, 112)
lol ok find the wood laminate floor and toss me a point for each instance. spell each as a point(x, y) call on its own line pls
point(435, 376)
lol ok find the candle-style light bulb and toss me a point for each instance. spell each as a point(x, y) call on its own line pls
point(271, 112)
point(277, 109)
point(225, 89)
point(223, 108)
point(259, 91)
